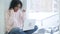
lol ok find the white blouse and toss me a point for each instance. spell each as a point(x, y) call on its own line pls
point(17, 19)
point(14, 19)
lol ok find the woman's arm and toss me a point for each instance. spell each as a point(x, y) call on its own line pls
point(7, 21)
point(22, 18)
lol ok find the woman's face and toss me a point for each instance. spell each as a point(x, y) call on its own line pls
point(17, 7)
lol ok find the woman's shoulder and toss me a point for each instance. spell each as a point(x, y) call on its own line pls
point(10, 10)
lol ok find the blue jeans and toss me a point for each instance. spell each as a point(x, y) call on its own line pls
point(20, 31)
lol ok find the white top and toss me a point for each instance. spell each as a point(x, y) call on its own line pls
point(17, 19)
point(14, 19)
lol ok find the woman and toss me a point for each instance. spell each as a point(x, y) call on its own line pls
point(15, 19)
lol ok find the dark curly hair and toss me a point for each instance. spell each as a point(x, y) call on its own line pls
point(14, 3)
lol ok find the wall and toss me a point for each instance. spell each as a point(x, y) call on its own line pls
point(1, 17)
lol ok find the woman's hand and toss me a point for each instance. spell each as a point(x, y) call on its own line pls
point(23, 10)
point(23, 13)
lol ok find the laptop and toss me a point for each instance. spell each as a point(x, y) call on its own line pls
point(28, 24)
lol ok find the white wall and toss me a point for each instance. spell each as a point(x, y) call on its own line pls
point(1, 17)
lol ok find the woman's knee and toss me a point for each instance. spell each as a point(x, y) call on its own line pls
point(15, 30)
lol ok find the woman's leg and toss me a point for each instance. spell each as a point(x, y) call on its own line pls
point(16, 31)
point(31, 31)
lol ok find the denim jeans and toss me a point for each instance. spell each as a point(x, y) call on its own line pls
point(20, 31)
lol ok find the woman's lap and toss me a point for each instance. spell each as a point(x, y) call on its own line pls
point(20, 31)
point(16, 31)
